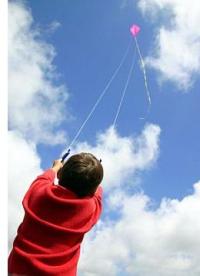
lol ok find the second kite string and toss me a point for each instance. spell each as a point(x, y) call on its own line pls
point(101, 96)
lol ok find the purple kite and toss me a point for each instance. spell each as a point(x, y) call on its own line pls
point(135, 29)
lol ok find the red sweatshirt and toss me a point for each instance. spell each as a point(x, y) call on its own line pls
point(55, 221)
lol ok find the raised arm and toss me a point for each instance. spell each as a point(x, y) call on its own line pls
point(49, 175)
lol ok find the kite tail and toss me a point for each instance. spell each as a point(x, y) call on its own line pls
point(144, 72)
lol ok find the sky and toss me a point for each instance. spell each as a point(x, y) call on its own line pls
point(61, 56)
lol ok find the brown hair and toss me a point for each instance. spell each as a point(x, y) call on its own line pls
point(82, 173)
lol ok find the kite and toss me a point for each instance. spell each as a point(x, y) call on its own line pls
point(134, 30)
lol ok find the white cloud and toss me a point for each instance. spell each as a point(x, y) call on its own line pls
point(177, 47)
point(122, 157)
point(24, 166)
point(53, 26)
point(146, 241)
point(36, 104)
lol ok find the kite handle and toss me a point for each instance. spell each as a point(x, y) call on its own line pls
point(65, 155)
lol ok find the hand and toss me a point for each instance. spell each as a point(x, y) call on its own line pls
point(57, 165)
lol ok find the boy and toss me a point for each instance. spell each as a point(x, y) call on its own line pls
point(57, 217)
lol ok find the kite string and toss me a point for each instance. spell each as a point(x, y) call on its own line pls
point(144, 71)
point(125, 89)
point(101, 95)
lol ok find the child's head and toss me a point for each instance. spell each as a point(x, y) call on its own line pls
point(82, 173)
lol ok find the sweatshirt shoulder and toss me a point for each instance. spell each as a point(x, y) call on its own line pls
point(99, 192)
point(47, 177)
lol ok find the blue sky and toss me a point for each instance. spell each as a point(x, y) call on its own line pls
point(61, 56)
point(90, 43)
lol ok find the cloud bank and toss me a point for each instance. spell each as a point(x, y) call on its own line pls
point(177, 45)
point(145, 241)
point(23, 167)
point(124, 156)
point(36, 104)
